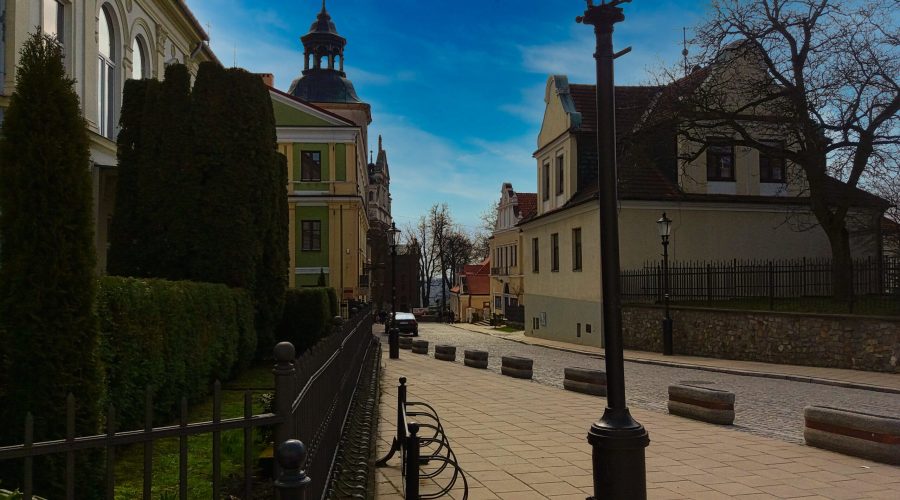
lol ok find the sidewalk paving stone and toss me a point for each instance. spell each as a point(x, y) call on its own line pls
point(517, 439)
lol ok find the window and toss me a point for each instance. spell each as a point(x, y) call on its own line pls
point(138, 59)
point(546, 184)
point(371, 196)
point(310, 166)
point(771, 168)
point(311, 235)
point(554, 252)
point(587, 328)
point(719, 160)
point(515, 255)
point(576, 249)
point(560, 174)
point(578, 329)
point(498, 302)
point(535, 323)
point(535, 255)
point(2, 47)
point(54, 19)
point(106, 75)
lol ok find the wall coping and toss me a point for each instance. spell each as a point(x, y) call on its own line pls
point(892, 319)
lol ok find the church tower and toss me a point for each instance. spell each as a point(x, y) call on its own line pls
point(323, 81)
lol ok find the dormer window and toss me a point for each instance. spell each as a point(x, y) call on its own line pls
point(719, 160)
point(771, 167)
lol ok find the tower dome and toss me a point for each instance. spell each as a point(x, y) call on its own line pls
point(323, 78)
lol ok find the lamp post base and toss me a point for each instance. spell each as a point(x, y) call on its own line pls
point(618, 443)
point(667, 336)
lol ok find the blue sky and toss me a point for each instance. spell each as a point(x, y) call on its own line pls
point(456, 88)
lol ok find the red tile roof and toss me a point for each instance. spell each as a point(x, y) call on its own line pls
point(479, 284)
point(631, 104)
point(527, 205)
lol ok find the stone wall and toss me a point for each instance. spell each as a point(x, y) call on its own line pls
point(834, 341)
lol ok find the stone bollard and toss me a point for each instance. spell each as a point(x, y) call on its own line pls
point(476, 359)
point(865, 435)
point(445, 352)
point(405, 342)
point(420, 347)
point(585, 381)
point(702, 403)
point(515, 366)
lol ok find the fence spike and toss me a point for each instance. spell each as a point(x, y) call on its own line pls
point(70, 455)
point(183, 452)
point(217, 439)
point(110, 452)
point(29, 461)
point(148, 445)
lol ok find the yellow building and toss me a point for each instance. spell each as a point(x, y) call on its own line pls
point(728, 203)
point(322, 130)
point(507, 291)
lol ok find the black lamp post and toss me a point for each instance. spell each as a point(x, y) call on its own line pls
point(394, 332)
point(617, 439)
point(664, 225)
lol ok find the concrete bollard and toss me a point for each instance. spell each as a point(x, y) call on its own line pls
point(420, 347)
point(516, 366)
point(445, 352)
point(476, 359)
point(865, 435)
point(702, 403)
point(585, 381)
point(405, 342)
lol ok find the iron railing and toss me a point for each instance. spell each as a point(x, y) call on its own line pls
point(768, 284)
point(312, 396)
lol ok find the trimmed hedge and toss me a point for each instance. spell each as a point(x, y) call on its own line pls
point(333, 302)
point(307, 317)
point(175, 336)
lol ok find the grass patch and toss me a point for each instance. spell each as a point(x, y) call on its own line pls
point(507, 329)
point(130, 462)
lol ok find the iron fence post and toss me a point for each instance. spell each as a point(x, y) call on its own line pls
point(411, 466)
point(284, 372)
point(292, 482)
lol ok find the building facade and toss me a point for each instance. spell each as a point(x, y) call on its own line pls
point(379, 211)
point(105, 42)
point(506, 251)
point(470, 296)
point(322, 130)
point(725, 202)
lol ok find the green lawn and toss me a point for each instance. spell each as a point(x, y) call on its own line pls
point(507, 329)
point(130, 460)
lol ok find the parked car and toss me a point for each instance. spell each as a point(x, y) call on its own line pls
point(407, 323)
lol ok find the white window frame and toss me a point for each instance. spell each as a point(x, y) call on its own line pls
point(106, 76)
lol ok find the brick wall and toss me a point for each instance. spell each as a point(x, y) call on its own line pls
point(858, 342)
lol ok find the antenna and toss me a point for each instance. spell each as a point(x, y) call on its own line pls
point(684, 50)
point(234, 60)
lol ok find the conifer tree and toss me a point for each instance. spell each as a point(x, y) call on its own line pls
point(48, 330)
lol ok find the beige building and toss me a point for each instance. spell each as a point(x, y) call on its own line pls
point(106, 42)
point(507, 290)
point(728, 203)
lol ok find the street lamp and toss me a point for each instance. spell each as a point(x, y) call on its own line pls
point(394, 332)
point(617, 439)
point(664, 226)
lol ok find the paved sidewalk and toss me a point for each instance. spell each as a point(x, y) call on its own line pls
point(882, 382)
point(520, 440)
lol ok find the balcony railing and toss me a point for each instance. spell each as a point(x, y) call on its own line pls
point(500, 271)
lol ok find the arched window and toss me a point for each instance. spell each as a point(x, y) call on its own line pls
point(139, 59)
point(106, 73)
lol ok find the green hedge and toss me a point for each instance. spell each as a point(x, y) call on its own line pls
point(307, 317)
point(175, 336)
point(333, 302)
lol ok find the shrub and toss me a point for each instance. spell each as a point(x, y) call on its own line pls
point(48, 329)
point(175, 336)
point(334, 303)
point(306, 319)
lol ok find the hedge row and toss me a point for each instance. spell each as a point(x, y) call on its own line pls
point(307, 316)
point(175, 336)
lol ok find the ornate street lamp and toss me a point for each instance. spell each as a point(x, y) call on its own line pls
point(394, 332)
point(618, 440)
point(664, 226)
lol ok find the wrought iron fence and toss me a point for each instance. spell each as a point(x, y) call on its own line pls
point(312, 397)
point(805, 284)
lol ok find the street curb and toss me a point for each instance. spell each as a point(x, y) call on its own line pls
point(716, 369)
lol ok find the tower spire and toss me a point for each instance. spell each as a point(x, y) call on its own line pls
point(684, 50)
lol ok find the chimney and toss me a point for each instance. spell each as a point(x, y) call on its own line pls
point(268, 79)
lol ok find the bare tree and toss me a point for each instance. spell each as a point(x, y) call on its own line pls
point(441, 222)
point(420, 235)
point(458, 250)
point(818, 75)
point(481, 240)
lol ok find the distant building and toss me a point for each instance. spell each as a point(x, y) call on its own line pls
point(506, 250)
point(408, 296)
point(105, 43)
point(379, 213)
point(470, 297)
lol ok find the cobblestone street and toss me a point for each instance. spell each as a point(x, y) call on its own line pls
point(764, 406)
